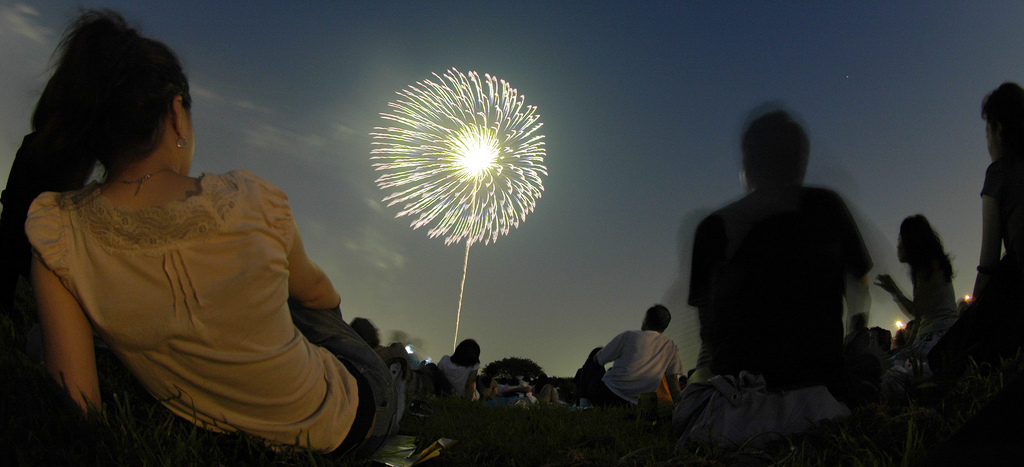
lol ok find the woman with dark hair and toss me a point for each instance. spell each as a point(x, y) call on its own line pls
point(992, 326)
point(461, 367)
point(1002, 196)
point(933, 308)
point(199, 285)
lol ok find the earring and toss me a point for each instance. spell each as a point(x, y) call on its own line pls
point(181, 143)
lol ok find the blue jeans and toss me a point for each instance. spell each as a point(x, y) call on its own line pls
point(327, 329)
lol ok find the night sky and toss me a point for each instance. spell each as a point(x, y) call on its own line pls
point(642, 105)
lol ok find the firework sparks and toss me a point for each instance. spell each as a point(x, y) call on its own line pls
point(463, 156)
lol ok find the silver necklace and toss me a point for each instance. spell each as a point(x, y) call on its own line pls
point(139, 181)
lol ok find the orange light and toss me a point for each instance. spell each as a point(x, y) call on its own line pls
point(968, 298)
point(900, 325)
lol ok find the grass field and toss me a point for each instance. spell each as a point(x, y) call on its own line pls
point(132, 429)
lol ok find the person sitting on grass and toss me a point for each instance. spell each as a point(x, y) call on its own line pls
point(769, 271)
point(933, 309)
point(548, 392)
point(199, 285)
point(590, 372)
point(769, 277)
point(460, 369)
point(367, 331)
point(641, 360)
point(992, 325)
point(516, 392)
point(487, 386)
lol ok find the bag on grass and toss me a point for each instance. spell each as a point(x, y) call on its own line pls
point(730, 411)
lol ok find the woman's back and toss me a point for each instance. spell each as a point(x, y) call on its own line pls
point(935, 303)
point(192, 296)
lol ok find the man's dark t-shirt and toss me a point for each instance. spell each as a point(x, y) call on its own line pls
point(769, 274)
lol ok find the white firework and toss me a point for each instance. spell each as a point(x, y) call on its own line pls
point(462, 155)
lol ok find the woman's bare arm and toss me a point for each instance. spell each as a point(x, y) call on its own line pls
point(307, 283)
point(991, 242)
point(906, 305)
point(470, 385)
point(67, 338)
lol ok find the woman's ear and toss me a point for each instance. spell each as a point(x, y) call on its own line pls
point(179, 117)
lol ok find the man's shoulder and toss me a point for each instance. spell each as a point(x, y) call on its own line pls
point(631, 334)
point(656, 337)
point(821, 194)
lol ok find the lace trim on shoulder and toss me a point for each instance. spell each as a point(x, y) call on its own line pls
point(124, 228)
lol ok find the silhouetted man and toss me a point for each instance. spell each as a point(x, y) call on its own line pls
point(769, 271)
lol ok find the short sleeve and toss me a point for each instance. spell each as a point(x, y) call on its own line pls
point(709, 245)
point(276, 210)
point(993, 180)
point(675, 365)
point(610, 352)
point(856, 259)
point(46, 231)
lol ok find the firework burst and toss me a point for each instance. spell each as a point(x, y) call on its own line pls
point(462, 155)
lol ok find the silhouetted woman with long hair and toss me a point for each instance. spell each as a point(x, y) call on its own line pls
point(933, 307)
point(199, 285)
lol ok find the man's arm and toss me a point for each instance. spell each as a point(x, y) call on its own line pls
point(673, 387)
point(672, 375)
point(470, 388)
point(610, 352)
point(709, 245)
point(858, 298)
point(856, 262)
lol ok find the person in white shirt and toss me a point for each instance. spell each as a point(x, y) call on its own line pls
point(461, 368)
point(640, 359)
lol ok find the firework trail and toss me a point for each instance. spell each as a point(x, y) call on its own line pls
point(462, 155)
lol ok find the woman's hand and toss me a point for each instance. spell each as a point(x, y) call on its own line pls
point(886, 283)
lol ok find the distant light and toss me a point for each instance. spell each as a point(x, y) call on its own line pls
point(900, 325)
point(408, 349)
point(968, 298)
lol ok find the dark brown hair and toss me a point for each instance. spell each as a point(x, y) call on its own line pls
point(109, 93)
point(922, 247)
point(1005, 107)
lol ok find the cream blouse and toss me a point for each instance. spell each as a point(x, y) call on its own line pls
point(192, 297)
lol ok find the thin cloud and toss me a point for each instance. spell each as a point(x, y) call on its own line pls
point(249, 105)
point(374, 204)
point(266, 132)
point(364, 245)
point(317, 149)
point(381, 256)
point(211, 97)
point(270, 139)
point(21, 19)
point(342, 132)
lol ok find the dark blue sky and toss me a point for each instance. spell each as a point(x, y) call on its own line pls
point(642, 105)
